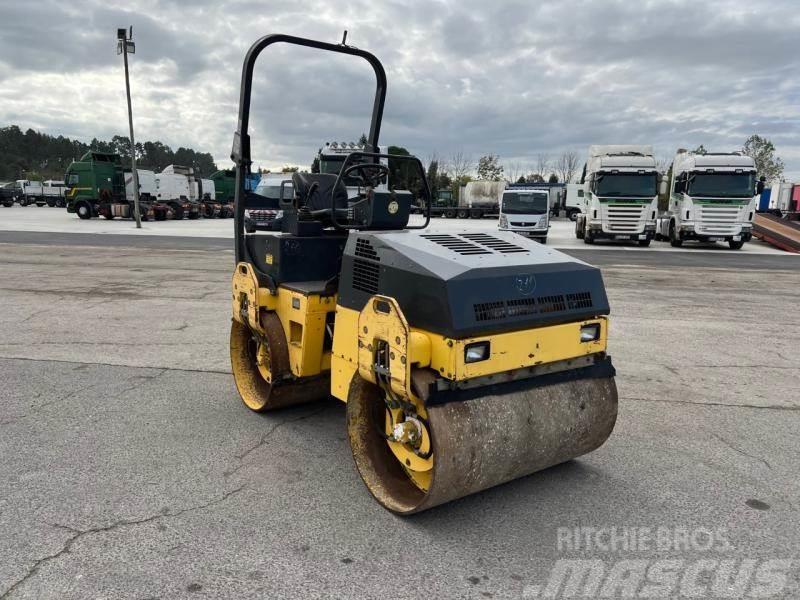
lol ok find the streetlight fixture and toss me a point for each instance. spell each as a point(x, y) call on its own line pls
point(125, 46)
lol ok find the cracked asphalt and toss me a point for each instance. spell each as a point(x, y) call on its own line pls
point(130, 469)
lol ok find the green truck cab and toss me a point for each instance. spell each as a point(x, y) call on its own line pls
point(96, 178)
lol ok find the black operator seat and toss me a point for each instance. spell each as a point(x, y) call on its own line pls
point(313, 190)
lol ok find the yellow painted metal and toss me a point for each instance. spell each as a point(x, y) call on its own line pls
point(344, 361)
point(419, 469)
point(303, 318)
point(516, 349)
point(508, 351)
point(382, 320)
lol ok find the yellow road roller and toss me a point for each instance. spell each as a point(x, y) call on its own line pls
point(465, 359)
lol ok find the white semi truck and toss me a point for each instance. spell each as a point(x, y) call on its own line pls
point(620, 194)
point(174, 187)
point(712, 199)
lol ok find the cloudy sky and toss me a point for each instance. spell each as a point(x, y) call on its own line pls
point(506, 77)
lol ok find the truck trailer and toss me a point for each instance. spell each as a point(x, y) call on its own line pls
point(620, 194)
point(173, 189)
point(712, 199)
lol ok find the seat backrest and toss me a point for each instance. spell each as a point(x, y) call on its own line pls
point(314, 190)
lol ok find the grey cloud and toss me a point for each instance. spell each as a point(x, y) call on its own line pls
point(514, 78)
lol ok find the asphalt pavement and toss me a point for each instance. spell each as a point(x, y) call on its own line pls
point(130, 468)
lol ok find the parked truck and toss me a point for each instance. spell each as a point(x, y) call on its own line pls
point(620, 194)
point(95, 186)
point(480, 199)
point(173, 189)
point(148, 201)
point(525, 210)
point(573, 202)
point(8, 194)
point(712, 199)
point(30, 192)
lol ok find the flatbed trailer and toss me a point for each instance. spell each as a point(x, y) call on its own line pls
point(781, 233)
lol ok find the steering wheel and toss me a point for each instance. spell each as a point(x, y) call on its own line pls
point(369, 174)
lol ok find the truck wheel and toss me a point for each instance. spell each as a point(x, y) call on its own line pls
point(736, 245)
point(476, 214)
point(463, 214)
point(644, 243)
point(580, 231)
point(108, 214)
point(674, 240)
point(23, 201)
point(572, 215)
point(51, 202)
point(8, 203)
point(542, 240)
point(84, 210)
point(588, 238)
point(60, 203)
point(450, 213)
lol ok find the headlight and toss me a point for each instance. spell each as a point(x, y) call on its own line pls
point(476, 352)
point(590, 333)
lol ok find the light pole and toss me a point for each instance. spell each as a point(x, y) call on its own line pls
point(125, 45)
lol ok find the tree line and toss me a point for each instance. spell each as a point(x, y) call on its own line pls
point(34, 155)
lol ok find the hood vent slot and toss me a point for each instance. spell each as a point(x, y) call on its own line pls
point(542, 305)
point(455, 243)
point(496, 244)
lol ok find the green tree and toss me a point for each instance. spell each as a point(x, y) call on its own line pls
point(700, 150)
point(762, 151)
point(521, 179)
point(433, 176)
point(553, 178)
point(489, 168)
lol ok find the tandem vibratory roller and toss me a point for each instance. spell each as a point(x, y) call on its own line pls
point(465, 359)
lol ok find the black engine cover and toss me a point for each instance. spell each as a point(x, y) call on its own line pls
point(468, 283)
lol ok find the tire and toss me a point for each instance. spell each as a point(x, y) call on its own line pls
point(736, 245)
point(51, 202)
point(60, 203)
point(463, 214)
point(84, 210)
point(108, 215)
point(8, 203)
point(588, 238)
point(476, 214)
point(674, 240)
point(572, 215)
point(23, 201)
point(450, 213)
point(542, 240)
point(644, 243)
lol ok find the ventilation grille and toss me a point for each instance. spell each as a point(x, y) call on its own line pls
point(364, 249)
point(473, 243)
point(492, 311)
point(366, 275)
point(494, 243)
point(456, 243)
point(579, 300)
point(489, 311)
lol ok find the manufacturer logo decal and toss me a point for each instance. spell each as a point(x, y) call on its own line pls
point(525, 284)
point(393, 207)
